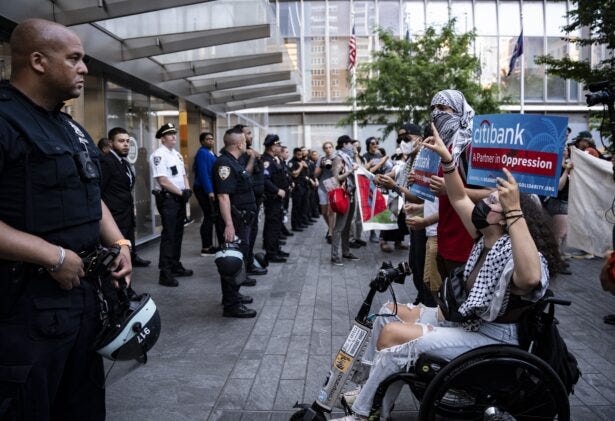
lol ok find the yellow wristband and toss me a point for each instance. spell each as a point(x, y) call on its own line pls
point(124, 242)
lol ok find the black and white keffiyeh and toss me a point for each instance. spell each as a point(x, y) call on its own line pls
point(455, 129)
point(489, 280)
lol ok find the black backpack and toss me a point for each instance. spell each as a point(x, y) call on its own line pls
point(538, 329)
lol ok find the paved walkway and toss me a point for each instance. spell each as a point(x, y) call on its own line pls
point(206, 367)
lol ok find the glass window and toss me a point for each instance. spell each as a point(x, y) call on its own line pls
point(533, 23)
point(317, 134)
point(487, 52)
point(293, 47)
point(555, 18)
point(388, 13)
point(509, 85)
point(534, 73)
point(338, 64)
point(314, 70)
point(315, 17)
point(290, 19)
point(556, 86)
point(437, 13)
point(462, 11)
point(484, 14)
point(414, 17)
point(339, 18)
point(364, 17)
point(510, 19)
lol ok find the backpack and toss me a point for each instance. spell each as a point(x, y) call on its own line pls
point(538, 330)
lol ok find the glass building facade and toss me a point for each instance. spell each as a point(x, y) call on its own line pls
point(319, 32)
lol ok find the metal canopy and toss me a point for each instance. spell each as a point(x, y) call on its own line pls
point(169, 47)
point(135, 48)
point(262, 102)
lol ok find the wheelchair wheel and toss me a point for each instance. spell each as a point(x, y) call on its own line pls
point(496, 382)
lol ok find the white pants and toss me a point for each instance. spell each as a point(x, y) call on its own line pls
point(440, 338)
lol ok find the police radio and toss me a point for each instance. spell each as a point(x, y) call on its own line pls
point(85, 166)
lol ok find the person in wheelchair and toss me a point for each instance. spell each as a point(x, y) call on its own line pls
point(508, 270)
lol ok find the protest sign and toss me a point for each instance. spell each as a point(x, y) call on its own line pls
point(425, 165)
point(372, 203)
point(529, 146)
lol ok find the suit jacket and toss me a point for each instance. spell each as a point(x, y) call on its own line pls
point(116, 190)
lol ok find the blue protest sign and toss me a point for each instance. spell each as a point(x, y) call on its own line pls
point(529, 146)
point(425, 165)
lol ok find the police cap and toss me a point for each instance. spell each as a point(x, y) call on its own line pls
point(166, 129)
point(271, 139)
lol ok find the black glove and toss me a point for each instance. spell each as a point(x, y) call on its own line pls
point(186, 193)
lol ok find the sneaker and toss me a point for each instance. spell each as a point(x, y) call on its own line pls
point(400, 246)
point(337, 262)
point(182, 271)
point(361, 243)
point(354, 245)
point(385, 247)
point(249, 282)
point(350, 256)
point(373, 237)
point(207, 251)
point(350, 396)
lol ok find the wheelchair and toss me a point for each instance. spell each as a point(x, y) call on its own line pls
point(493, 382)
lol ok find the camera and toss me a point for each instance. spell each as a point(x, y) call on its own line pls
point(327, 163)
point(85, 166)
point(602, 93)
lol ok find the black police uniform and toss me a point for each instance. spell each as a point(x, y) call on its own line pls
point(275, 179)
point(231, 178)
point(297, 217)
point(258, 186)
point(49, 187)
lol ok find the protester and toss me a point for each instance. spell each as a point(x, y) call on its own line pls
point(324, 171)
point(585, 142)
point(356, 225)
point(343, 169)
point(513, 254)
point(49, 313)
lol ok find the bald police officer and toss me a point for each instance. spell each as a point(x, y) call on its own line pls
point(50, 212)
point(172, 192)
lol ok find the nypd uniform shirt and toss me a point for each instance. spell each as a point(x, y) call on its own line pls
point(168, 163)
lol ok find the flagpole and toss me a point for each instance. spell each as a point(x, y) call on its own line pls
point(522, 93)
point(353, 81)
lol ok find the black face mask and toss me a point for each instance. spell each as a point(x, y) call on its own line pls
point(479, 215)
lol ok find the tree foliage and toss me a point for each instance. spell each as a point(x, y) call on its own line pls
point(396, 87)
point(599, 17)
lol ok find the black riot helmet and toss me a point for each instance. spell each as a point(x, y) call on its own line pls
point(132, 329)
point(229, 259)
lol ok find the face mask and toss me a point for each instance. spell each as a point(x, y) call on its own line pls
point(479, 215)
point(407, 147)
point(348, 148)
point(447, 125)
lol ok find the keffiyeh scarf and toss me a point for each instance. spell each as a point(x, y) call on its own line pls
point(480, 301)
point(455, 129)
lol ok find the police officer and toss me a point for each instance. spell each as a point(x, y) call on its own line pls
point(251, 160)
point(50, 210)
point(234, 190)
point(299, 172)
point(283, 159)
point(276, 184)
point(172, 192)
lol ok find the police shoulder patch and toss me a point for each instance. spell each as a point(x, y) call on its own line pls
point(157, 160)
point(224, 171)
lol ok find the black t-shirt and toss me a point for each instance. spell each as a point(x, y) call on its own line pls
point(231, 178)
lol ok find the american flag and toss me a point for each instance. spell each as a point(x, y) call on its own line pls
point(352, 51)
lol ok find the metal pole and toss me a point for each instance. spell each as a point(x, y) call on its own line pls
point(522, 110)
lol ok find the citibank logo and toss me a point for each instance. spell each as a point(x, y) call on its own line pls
point(488, 133)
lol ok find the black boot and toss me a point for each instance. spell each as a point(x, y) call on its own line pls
point(166, 279)
point(138, 262)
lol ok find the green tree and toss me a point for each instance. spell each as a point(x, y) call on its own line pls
point(397, 86)
point(595, 19)
point(599, 17)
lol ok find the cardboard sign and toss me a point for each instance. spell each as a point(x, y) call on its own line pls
point(426, 164)
point(529, 146)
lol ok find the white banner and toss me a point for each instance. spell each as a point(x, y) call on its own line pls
point(590, 201)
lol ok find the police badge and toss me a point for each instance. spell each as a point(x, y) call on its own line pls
point(156, 160)
point(224, 172)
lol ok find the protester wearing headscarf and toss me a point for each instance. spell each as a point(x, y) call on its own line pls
point(454, 127)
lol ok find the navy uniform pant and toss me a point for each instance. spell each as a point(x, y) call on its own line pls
point(172, 212)
point(48, 367)
point(299, 203)
point(230, 284)
point(273, 225)
point(210, 214)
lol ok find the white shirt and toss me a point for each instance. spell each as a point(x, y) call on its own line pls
point(165, 162)
point(429, 208)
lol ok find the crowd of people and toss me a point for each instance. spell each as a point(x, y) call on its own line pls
point(76, 198)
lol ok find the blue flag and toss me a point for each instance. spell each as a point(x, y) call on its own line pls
point(516, 53)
